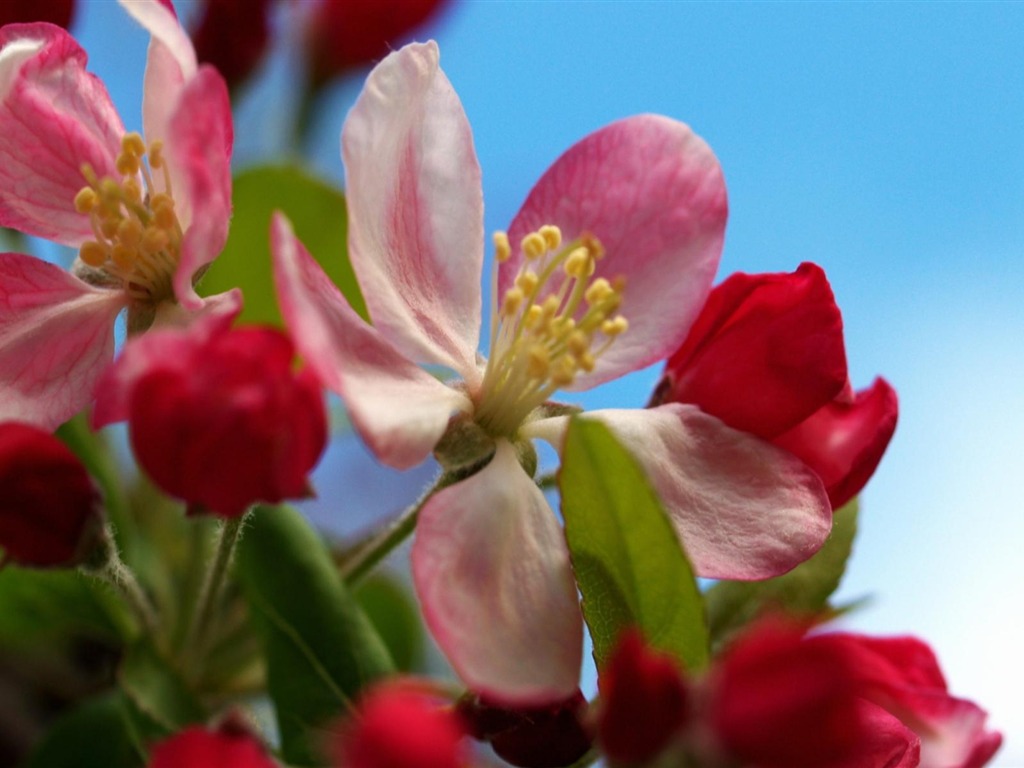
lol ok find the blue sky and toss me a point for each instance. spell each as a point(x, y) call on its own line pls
point(881, 140)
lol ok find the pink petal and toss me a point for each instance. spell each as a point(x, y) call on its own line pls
point(416, 210)
point(652, 191)
point(845, 439)
point(399, 409)
point(889, 743)
point(743, 508)
point(162, 342)
point(56, 337)
point(492, 572)
point(54, 116)
point(171, 63)
point(199, 158)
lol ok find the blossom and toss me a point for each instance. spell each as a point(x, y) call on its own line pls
point(217, 416)
point(615, 250)
point(233, 35)
point(60, 12)
point(766, 356)
point(196, 747)
point(147, 215)
point(50, 510)
point(398, 726)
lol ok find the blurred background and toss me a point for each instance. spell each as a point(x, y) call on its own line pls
point(882, 141)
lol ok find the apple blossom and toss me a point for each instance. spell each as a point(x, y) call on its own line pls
point(601, 273)
point(196, 747)
point(147, 215)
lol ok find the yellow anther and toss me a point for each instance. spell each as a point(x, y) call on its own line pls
point(527, 282)
point(615, 327)
point(592, 244)
point(549, 307)
point(502, 249)
point(564, 372)
point(164, 216)
point(552, 236)
point(586, 361)
point(538, 361)
point(132, 190)
point(598, 291)
point(156, 154)
point(513, 300)
point(129, 232)
point(122, 255)
point(128, 164)
point(561, 327)
point(109, 225)
point(85, 200)
point(154, 240)
point(577, 343)
point(534, 316)
point(110, 192)
point(533, 245)
point(132, 144)
point(92, 253)
point(579, 264)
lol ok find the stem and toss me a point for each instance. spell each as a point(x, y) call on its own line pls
point(213, 584)
point(115, 572)
point(385, 540)
point(547, 481)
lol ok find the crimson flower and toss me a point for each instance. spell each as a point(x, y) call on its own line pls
point(147, 215)
point(217, 417)
point(50, 512)
point(766, 356)
point(196, 747)
point(232, 35)
point(601, 273)
point(59, 12)
point(398, 726)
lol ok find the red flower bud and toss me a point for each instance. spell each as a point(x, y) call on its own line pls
point(217, 417)
point(50, 512)
point(342, 34)
point(766, 356)
point(232, 35)
point(59, 12)
point(547, 736)
point(643, 701)
point(397, 726)
point(199, 748)
point(781, 700)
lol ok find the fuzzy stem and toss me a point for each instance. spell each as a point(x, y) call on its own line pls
point(115, 572)
point(213, 585)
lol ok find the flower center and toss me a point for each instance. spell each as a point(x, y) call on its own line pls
point(555, 321)
point(138, 236)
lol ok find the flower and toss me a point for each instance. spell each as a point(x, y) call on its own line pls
point(50, 510)
point(616, 247)
point(397, 726)
point(196, 747)
point(59, 12)
point(147, 215)
point(217, 416)
point(232, 35)
point(766, 356)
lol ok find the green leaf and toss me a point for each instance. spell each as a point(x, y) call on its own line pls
point(317, 212)
point(97, 734)
point(804, 591)
point(320, 648)
point(628, 561)
point(386, 601)
point(157, 689)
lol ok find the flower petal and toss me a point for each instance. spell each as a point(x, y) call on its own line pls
point(170, 64)
point(416, 210)
point(653, 193)
point(765, 353)
point(844, 441)
point(54, 117)
point(199, 159)
point(492, 572)
point(56, 337)
point(743, 508)
point(399, 409)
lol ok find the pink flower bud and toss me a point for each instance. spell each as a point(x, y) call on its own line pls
point(548, 736)
point(50, 513)
point(232, 35)
point(398, 726)
point(643, 701)
point(219, 418)
point(59, 12)
point(200, 748)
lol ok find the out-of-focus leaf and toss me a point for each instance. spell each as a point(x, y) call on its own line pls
point(320, 648)
point(804, 591)
point(98, 734)
point(94, 451)
point(629, 564)
point(317, 212)
point(390, 607)
point(157, 689)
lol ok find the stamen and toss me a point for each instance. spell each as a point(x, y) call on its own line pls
point(552, 236)
point(502, 249)
point(533, 245)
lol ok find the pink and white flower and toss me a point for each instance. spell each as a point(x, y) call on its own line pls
point(147, 214)
point(614, 253)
